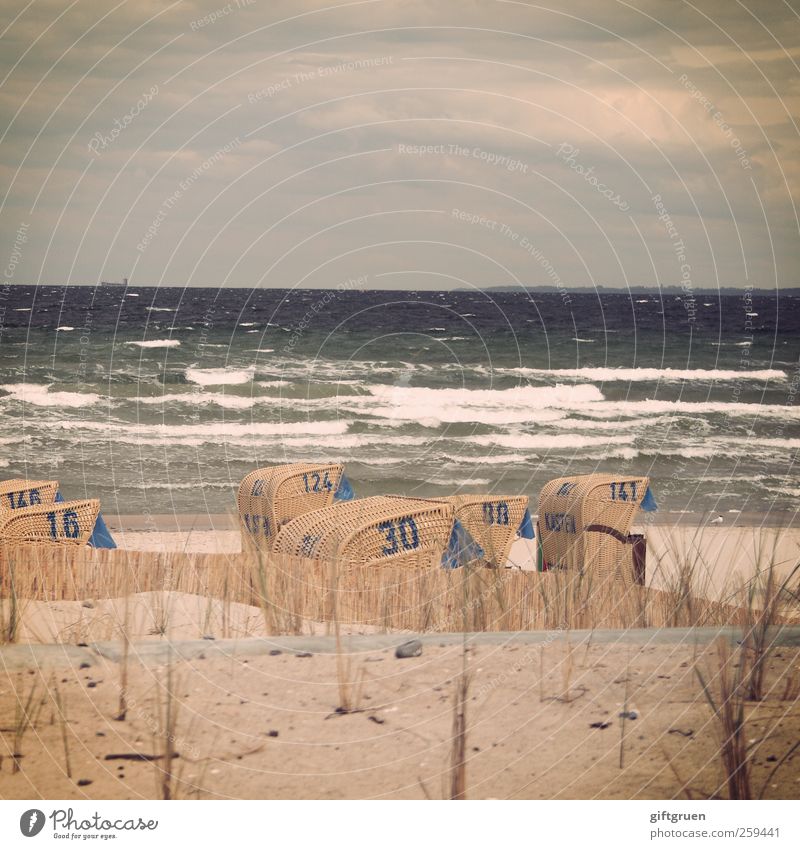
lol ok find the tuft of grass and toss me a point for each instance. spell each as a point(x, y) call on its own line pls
point(168, 708)
point(766, 597)
point(728, 709)
point(458, 746)
point(12, 606)
point(27, 708)
point(61, 707)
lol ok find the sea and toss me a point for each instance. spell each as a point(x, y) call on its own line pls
point(159, 400)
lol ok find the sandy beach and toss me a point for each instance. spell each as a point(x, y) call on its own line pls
point(576, 714)
point(543, 722)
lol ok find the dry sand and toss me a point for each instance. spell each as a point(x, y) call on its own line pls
point(267, 727)
point(261, 726)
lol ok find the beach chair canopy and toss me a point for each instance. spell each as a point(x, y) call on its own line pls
point(18, 493)
point(391, 530)
point(585, 521)
point(494, 522)
point(268, 498)
point(64, 523)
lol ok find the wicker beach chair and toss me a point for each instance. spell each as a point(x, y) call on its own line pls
point(381, 530)
point(269, 498)
point(493, 521)
point(585, 521)
point(63, 523)
point(18, 493)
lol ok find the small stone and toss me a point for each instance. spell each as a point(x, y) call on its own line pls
point(413, 648)
point(90, 606)
point(85, 665)
point(99, 733)
point(304, 654)
point(275, 652)
point(84, 782)
point(209, 637)
point(272, 733)
point(771, 759)
point(92, 684)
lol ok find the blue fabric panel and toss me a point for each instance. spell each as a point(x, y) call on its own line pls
point(649, 502)
point(101, 536)
point(526, 527)
point(344, 491)
point(461, 549)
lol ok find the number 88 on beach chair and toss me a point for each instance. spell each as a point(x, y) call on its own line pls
point(584, 525)
point(268, 498)
point(501, 526)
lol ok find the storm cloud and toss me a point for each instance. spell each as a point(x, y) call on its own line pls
point(419, 144)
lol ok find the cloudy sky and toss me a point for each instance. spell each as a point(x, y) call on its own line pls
point(413, 143)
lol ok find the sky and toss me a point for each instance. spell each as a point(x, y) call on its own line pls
point(401, 144)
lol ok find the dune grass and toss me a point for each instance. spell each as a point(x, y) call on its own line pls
point(292, 592)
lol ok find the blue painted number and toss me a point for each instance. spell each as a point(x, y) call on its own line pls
point(71, 528)
point(409, 535)
point(620, 491)
point(495, 513)
point(317, 482)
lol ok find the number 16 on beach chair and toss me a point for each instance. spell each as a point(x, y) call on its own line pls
point(585, 522)
point(20, 493)
point(268, 498)
point(63, 522)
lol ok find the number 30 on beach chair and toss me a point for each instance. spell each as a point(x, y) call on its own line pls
point(382, 530)
point(268, 498)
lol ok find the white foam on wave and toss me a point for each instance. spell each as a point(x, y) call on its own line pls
point(40, 396)
point(220, 376)
point(611, 409)
point(578, 339)
point(547, 442)
point(157, 343)
point(160, 309)
point(633, 375)
point(212, 432)
point(612, 424)
point(261, 350)
point(65, 328)
point(485, 406)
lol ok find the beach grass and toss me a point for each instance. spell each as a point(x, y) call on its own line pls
point(292, 593)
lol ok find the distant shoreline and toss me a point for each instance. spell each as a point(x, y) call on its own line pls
point(724, 291)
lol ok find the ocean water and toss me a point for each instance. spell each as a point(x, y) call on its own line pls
point(161, 400)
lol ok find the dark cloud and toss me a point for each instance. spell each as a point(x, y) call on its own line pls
point(282, 142)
